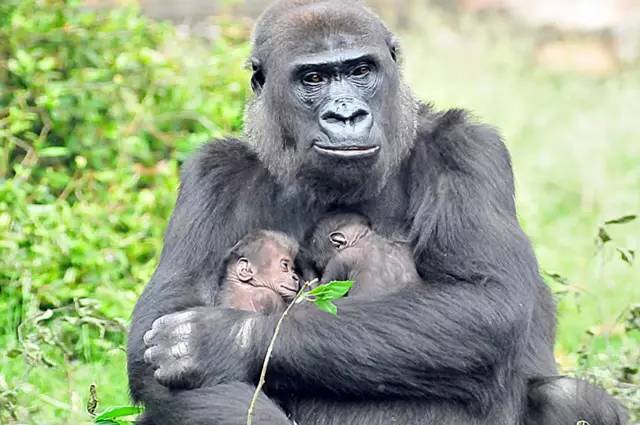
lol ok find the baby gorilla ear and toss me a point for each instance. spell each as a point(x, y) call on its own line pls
point(244, 270)
point(338, 240)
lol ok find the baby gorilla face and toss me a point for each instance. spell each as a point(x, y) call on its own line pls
point(270, 266)
point(259, 273)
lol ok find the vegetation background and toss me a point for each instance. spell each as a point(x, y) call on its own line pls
point(99, 108)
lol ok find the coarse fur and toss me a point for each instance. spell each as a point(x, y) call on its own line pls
point(468, 346)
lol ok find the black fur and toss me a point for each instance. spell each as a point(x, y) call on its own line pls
point(467, 347)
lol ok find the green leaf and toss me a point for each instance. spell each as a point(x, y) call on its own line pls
point(622, 220)
point(603, 235)
point(114, 422)
point(627, 255)
point(556, 277)
point(118, 412)
point(326, 306)
point(331, 291)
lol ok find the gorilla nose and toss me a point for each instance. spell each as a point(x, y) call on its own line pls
point(346, 118)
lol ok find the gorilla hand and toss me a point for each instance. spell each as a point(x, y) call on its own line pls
point(203, 346)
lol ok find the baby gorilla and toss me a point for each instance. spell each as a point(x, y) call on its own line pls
point(258, 273)
point(344, 247)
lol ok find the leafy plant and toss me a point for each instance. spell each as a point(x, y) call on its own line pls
point(627, 255)
point(324, 295)
point(97, 111)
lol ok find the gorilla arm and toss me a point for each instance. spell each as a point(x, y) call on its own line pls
point(204, 225)
point(438, 341)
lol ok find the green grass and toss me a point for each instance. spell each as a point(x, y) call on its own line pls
point(575, 143)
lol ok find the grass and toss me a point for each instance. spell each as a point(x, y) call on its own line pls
point(575, 144)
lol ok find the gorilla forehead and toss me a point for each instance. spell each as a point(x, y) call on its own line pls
point(316, 26)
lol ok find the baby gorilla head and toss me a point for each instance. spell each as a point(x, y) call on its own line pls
point(259, 274)
point(345, 247)
point(333, 234)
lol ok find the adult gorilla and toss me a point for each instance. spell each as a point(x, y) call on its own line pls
point(332, 127)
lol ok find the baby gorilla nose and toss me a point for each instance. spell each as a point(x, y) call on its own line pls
point(294, 287)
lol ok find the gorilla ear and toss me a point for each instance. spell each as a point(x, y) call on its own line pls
point(257, 77)
point(394, 48)
point(338, 240)
point(244, 270)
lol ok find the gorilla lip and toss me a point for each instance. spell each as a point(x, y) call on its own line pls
point(348, 151)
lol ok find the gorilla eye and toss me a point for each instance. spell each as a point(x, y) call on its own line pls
point(338, 240)
point(313, 78)
point(284, 265)
point(361, 71)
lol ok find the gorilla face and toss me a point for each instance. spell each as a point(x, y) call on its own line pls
point(330, 111)
point(339, 88)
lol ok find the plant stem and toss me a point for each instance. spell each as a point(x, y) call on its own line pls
point(265, 363)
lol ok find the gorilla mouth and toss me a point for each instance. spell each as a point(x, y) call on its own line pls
point(347, 151)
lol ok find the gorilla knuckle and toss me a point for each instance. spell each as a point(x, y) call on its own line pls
point(183, 331)
point(151, 355)
point(180, 350)
point(148, 337)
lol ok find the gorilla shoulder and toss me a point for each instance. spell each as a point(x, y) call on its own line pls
point(222, 160)
point(468, 159)
point(455, 141)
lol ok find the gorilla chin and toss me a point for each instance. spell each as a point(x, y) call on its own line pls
point(341, 168)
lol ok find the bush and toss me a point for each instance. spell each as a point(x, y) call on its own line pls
point(97, 110)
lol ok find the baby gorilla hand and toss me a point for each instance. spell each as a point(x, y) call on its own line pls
point(172, 349)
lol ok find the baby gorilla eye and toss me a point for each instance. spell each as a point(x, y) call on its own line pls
point(313, 78)
point(338, 240)
point(284, 265)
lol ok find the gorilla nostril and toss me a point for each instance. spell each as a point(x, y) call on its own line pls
point(333, 118)
point(358, 116)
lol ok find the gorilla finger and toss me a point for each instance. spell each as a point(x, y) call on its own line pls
point(173, 319)
point(149, 336)
point(153, 355)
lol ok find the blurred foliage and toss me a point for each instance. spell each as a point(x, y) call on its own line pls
point(97, 110)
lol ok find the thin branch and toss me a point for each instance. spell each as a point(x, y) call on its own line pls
point(265, 363)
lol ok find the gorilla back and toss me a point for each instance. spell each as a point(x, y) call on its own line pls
point(333, 128)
